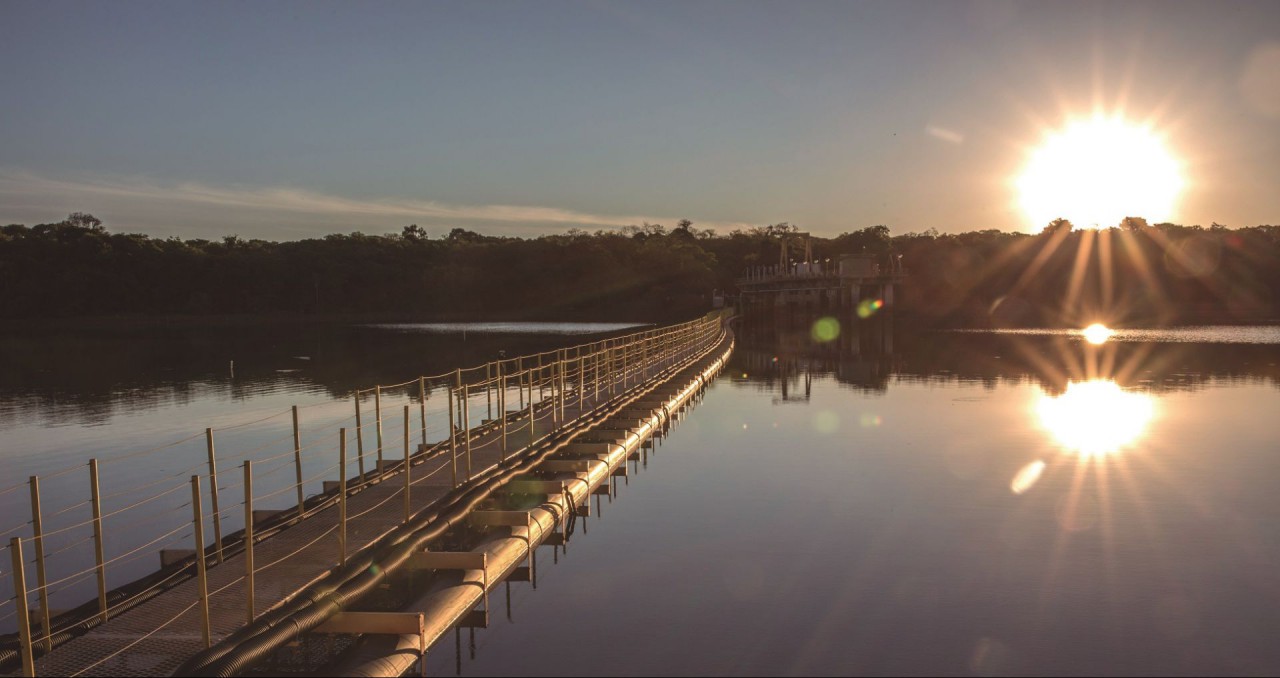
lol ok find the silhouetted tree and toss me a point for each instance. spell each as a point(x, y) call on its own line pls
point(1133, 224)
point(84, 220)
point(1058, 227)
point(1160, 273)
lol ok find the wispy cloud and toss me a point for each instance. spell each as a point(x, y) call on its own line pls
point(947, 135)
point(21, 192)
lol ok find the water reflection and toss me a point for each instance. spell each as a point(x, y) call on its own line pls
point(90, 376)
point(1097, 333)
point(786, 356)
point(907, 512)
point(869, 355)
point(1095, 418)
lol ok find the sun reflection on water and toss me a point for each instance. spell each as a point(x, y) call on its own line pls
point(1095, 418)
point(1097, 333)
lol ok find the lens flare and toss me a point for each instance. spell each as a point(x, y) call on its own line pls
point(1097, 333)
point(1028, 476)
point(826, 421)
point(868, 307)
point(825, 330)
point(1095, 418)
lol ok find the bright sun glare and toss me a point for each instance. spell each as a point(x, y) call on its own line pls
point(1097, 333)
point(1095, 418)
point(1098, 171)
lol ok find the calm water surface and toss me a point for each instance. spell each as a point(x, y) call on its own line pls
point(887, 502)
point(960, 504)
point(139, 399)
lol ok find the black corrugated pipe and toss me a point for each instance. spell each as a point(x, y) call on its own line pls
point(317, 592)
point(317, 603)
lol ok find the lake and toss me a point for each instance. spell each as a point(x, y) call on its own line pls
point(934, 503)
point(850, 499)
point(139, 399)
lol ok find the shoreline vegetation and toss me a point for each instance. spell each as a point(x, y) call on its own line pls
point(78, 274)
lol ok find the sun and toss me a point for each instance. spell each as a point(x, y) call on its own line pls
point(1097, 171)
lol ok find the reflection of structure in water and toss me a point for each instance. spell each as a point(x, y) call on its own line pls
point(865, 353)
point(1055, 361)
point(88, 376)
point(787, 356)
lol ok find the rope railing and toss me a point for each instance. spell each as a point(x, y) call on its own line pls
point(15, 528)
point(63, 472)
point(138, 549)
point(258, 475)
point(85, 539)
point(184, 473)
point(298, 550)
point(508, 393)
point(121, 604)
point(271, 443)
point(67, 509)
point(79, 575)
point(247, 424)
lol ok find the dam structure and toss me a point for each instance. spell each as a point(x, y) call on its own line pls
point(426, 505)
point(862, 282)
point(822, 284)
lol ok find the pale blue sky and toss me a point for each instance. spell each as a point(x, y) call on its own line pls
point(285, 120)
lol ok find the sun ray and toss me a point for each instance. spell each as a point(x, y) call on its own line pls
point(1155, 291)
point(1107, 274)
point(1042, 257)
point(1071, 501)
point(1216, 284)
point(1106, 525)
point(1078, 269)
point(1107, 361)
point(1057, 373)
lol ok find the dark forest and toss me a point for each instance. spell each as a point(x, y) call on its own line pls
point(1133, 274)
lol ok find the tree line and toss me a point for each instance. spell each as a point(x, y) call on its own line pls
point(1135, 273)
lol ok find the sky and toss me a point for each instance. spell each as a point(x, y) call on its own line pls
point(289, 120)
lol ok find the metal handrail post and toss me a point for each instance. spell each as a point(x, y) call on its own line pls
point(95, 497)
point(37, 533)
point(407, 474)
point(297, 463)
point(422, 406)
point(202, 576)
point(377, 412)
point(453, 440)
point(502, 407)
point(24, 614)
point(359, 434)
point(342, 496)
point(248, 540)
point(466, 427)
point(213, 495)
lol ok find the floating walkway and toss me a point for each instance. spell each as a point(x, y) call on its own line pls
point(581, 413)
